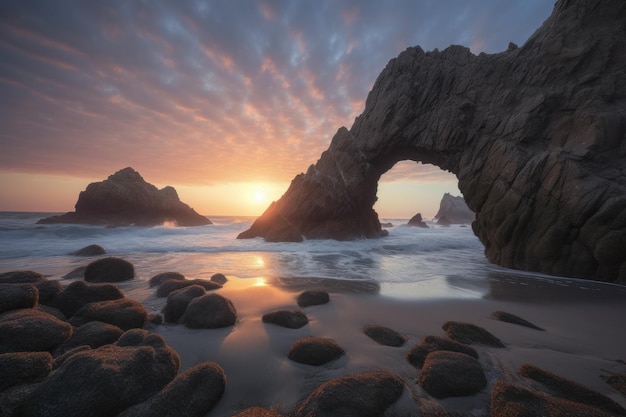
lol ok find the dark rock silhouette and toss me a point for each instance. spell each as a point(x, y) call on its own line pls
point(367, 395)
point(315, 351)
point(109, 269)
point(125, 198)
point(453, 210)
point(417, 221)
point(384, 335)
point(451, 374)
point(535, 135)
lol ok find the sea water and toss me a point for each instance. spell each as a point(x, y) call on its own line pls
point(410, 262)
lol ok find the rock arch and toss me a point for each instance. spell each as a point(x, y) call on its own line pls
point(535, 135)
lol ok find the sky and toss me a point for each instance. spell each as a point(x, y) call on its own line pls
point(226, 101)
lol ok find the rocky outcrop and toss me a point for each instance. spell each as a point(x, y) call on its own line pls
point(417, 221)
point(535, 135)
point(125, 198)
point(453, 210)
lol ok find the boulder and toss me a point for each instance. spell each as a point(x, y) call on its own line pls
point(192, 393)
point(124, 313)
point(570, 390)
point(178, 301)
point(14, 296)
point(173, 285)
point(219, 278)
point(109, 270)
point(384, 335)
point(417, 355)
point(90, 250)
point(315, 351)
point(535, 136)
point(451, 374)
point(30, 330)
point(105, 381)
point(209, 312)
point(163, 277)
point(454, 210)
point(291, 319)
point(510, 400)
point(125, 198)
point(93, 334)
point(21, 277)
point(312, 298)
point(416, 221)
point(364, 395)
point(470, 334)
point(513, 319)
point(79, 293)
point(48, 289)
point(23, 368)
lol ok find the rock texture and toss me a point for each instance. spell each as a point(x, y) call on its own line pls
point(453, 210)
point(535, 135)
point(125, 198)
point(417, 221)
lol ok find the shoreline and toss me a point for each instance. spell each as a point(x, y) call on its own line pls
point(580, 343)
point(581, 339)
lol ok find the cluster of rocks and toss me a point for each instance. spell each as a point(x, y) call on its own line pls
point(125, 198)
point(89, 340)
point(82, 349)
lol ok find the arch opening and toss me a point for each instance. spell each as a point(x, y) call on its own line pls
point(410, 187)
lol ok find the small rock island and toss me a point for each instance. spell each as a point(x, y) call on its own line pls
point(124, 199)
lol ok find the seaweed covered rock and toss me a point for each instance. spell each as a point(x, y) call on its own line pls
point(310, 298)
point(109, 270)
point(210, 311)
point(315, 351)
point(192, 393)
point(123, 313)
point(364, 395)
point(178, 301)
point(105, 381)
point(417, 354)
point(23, 367)
point(451, 374)
point(291, 319)
point(470, 334)
point(384, 335)
point(14, 296)
point(79, 293)
point(30, 330)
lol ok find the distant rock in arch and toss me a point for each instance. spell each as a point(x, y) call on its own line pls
point(125, 198)
point(536, 136)
point(454, 210)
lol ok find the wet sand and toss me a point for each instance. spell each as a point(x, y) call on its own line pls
point(583, 337)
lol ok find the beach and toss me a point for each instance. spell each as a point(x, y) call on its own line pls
point(414, 282)
point(582, 341)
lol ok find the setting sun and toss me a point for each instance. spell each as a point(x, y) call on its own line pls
point(259, 196)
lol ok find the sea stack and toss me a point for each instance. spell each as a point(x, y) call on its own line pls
point(453, 210)
point(125, 198)
point(536, 136)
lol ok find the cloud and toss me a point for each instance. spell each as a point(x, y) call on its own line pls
point(209, 91)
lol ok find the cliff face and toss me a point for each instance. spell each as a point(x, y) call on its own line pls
point(125, 198)
point(536, 136)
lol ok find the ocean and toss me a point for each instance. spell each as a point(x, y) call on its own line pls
point(432, 263)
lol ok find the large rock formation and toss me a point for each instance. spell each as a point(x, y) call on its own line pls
point(125, 198)
point(453, 210)
point(535, 135)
